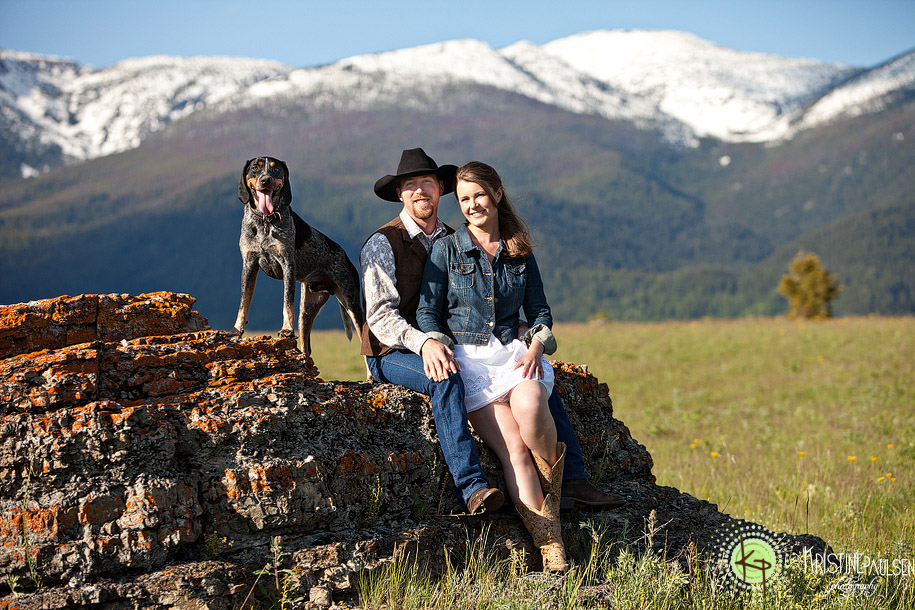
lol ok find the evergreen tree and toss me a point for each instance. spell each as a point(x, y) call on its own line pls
point(809, 287)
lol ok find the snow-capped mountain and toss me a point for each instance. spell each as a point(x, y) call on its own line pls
point(867, 92)
point(673, 82)
point(52, 102)
point(718, 92)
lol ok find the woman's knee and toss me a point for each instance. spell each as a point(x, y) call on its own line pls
point(530, 399)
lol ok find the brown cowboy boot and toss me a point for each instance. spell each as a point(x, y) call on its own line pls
point(544, 528)
point(551, 476)
point(582, 494)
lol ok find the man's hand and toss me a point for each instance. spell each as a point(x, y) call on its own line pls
point(438, 360)
point(530, 364)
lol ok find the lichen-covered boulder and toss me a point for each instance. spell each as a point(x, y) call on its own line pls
point(149, 461)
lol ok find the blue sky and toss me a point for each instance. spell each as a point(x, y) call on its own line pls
point(305, 33)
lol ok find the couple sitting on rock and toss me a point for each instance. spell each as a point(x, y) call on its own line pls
point(443, 319)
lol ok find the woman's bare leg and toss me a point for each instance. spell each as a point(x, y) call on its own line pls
point(531, 410)
point(497, 427)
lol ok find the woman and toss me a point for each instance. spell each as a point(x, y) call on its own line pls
point(476, 282)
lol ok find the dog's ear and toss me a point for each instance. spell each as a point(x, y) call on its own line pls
point(244, 194)
point(287, 188)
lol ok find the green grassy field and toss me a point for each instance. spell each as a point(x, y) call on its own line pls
point(799, 426)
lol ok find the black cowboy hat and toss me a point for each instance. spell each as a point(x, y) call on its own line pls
point(415, 162)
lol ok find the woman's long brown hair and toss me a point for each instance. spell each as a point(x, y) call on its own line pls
point(512, 229)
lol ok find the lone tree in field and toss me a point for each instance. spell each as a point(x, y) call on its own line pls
point(809, 287)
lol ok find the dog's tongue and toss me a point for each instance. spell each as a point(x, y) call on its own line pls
point(264, 202)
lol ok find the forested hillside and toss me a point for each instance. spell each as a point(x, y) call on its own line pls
point(626, 224)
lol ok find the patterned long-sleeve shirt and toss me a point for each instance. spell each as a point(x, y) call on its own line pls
point(382, 301)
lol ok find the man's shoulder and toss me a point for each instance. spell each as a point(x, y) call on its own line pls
point(396, 224)
point(384, 231)
point(376, 249)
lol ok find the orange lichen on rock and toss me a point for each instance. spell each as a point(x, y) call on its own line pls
point(97, 509)
point(158, 313)
point(57, 323)
point(43, 525)
point(47, 324)
point(49, 379)
point(264, 479)
point(356, 464)
point(403, 461)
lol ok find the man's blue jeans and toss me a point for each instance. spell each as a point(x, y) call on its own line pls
point(458, 446)
point(575, 461)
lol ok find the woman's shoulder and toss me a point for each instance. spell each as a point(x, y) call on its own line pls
point(522, 259)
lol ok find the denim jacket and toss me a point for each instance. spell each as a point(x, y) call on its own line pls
point(464, 298)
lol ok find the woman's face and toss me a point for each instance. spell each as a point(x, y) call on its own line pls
point(477, 206)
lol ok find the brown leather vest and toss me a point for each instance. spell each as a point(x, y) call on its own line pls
point(409, 261)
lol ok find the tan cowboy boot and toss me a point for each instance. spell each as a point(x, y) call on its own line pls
point(551, 476)
point(544, 528)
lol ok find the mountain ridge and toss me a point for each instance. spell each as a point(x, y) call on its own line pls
point(58, 111)
point(625, 223)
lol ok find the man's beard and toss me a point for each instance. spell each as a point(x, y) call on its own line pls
point(423, 211)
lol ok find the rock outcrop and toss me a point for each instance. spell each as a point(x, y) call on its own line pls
point(148, 461)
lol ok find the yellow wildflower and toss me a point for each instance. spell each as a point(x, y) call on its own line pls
point(852, 458)
point(714, 454)
point(890, 446)
point(873, 458)
point(800, 453)
point(881, 479)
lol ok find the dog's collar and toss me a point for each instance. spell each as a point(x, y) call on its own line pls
point(269, 218)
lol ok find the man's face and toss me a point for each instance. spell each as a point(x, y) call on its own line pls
point(420, 195)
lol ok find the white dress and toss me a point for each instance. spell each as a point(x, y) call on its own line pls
point(489, 371)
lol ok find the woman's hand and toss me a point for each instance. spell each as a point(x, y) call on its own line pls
point(530, 364)
point(438, 360)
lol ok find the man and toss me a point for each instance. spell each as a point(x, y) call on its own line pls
point(397, 352)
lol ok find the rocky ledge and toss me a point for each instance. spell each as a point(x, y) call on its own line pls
point(147, 461)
